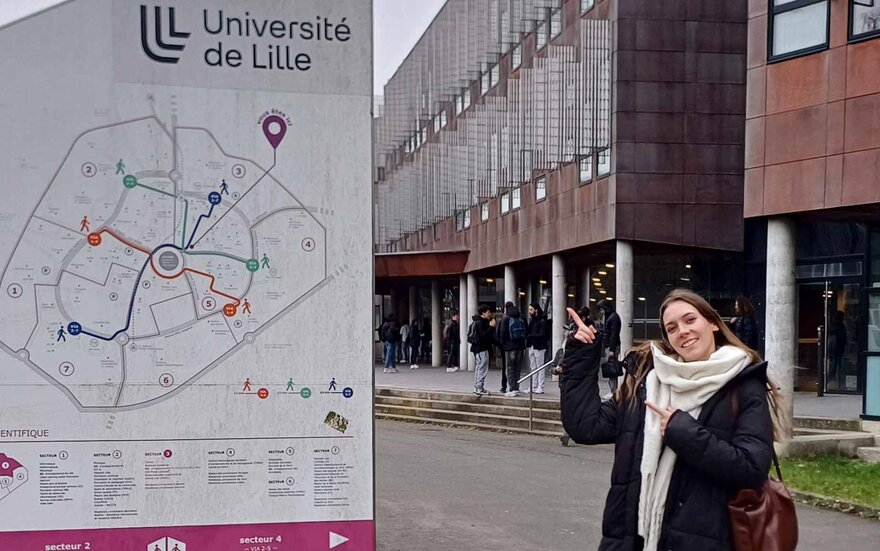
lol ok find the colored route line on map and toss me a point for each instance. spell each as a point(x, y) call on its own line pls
point(74, 328)
point(199, 221)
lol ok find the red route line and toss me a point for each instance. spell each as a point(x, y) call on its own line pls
point(209, 276)
point(132, 245)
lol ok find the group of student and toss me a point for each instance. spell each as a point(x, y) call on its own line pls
point(403, 342)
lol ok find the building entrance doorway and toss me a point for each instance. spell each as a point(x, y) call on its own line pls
point(828, 335)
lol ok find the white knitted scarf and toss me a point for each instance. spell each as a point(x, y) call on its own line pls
point(685, 386)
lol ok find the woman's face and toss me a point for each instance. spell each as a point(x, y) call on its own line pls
point(691, 335)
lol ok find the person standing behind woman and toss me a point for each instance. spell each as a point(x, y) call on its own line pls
point(402, 350)
point(414, 342)
point(744, 325)
point(681, 452)
point(537, 341)
point(453, 342)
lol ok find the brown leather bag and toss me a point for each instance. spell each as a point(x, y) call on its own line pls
point(763, 519)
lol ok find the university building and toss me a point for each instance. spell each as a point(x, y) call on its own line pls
point(565, 151)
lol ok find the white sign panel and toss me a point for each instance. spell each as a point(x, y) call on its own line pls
point(185, 302)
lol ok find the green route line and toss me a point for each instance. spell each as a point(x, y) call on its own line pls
point(215, 253)
point(185, 213)
point(157, 190)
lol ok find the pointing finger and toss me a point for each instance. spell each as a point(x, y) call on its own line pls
point(656, 409)
point(576, 318)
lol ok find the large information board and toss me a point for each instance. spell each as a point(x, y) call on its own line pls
point(185, 305)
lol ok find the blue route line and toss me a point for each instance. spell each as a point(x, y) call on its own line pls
point(130, 306)
point(199, 221)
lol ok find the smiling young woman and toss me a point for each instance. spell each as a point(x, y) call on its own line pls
point(682, 447)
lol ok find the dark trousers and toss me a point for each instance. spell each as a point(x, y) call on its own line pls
point(414, 354)
point(514, 368)
point(503, 371)
point(454, 350)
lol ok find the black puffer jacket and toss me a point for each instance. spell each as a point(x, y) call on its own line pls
point(717, 454)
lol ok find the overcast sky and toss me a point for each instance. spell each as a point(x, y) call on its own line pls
point(397, 26)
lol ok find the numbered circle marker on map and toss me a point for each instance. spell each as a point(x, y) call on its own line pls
point(253, 264)
point(214, 198)
point(94, 239)
point(129, 181)
point(74, 328)
point(229, 310)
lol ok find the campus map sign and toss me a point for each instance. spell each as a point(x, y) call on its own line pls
point(185, 295)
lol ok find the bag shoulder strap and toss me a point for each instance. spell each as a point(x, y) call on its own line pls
point(734, 406)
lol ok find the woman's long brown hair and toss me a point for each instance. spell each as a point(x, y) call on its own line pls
point(639, 361)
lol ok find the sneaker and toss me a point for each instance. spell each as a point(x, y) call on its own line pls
point(385, 370)
point(481, 392)
point(512, 394)
point(452, 369)
point(392, 370)
point(503, 390)
point(414, 366)
point(540, 391)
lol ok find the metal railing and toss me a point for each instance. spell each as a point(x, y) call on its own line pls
point(530, 376)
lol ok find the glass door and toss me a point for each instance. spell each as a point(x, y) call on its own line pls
point(872, 355)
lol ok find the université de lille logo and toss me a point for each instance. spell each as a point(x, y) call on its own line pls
point(166, 46)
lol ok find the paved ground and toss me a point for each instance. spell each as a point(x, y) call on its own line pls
point(442, 488)
point(435, 378)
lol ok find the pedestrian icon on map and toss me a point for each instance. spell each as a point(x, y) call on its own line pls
point(157, 548)
point(61, 334)
point(247, 385)
point(333, 384)
point(246, 307)
point(290, 384)
point(176, 548)
point(84, 225)
point(265, 261)
point(120, 167)
point(224, 187)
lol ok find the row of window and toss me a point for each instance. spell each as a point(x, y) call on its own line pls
point(799, 27)
point(512, 200)
point(545, 31)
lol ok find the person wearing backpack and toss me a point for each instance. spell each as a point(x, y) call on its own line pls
point(537, 340)
point(391, 336)
point(513, 344)
point(453, 342)
point(481, 337)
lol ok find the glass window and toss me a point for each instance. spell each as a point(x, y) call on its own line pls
point(603, 163)
point(436, 123)
point(505, 203)
point(494, 75)
point(515, 199)
point(443, 119)
point(586, 169)
point(798, 27)
point(516, 57)
point(467, 98)
point(864, 18)
point(587, 5)
point(459, 221)
point(459, 104)
point(467, 218)
point(541, 35)
point(874, 323)
point(540, 189)
point(484, 83)
point(556, 23)
point(484, 212)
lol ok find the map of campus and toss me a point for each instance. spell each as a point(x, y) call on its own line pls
point(153, 255)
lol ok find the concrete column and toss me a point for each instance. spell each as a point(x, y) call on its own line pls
point(413, 304)
point(529, 294)
point(473, 304)
point(510, 294)
point(395, 304)
point(464, 321)
point(623, 293)
point(558, 301)
point(436, 326)
point(781, 315)
point(584, 285)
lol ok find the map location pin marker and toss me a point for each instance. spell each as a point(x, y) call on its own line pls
point(274, 128)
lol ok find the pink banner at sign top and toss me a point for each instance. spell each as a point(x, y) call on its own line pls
point(304, 536)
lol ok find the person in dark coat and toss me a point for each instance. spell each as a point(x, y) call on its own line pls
point(504, 386)
point(483, 329)
point(537, 341)
point(513, 346)
point(744, 325)
point(453, 344)
point(680, 454)
point(390, 334)
point(610, 336)
point(413, 342)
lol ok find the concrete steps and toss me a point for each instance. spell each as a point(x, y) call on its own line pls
point(813, 435)
point(459, 409)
